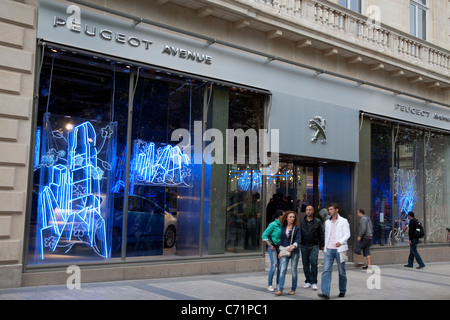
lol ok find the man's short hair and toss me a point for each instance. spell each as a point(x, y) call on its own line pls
point(334, 205)
point(362, 211)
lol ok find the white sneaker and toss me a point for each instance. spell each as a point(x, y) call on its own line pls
point(307, 285)
point(270, 288)
point(314, 286)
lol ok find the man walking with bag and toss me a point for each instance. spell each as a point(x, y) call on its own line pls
point(413, 242)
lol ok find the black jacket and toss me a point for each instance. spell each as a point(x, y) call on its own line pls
point(312, 232)
point(412, 229)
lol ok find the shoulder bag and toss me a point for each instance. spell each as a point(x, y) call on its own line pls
point(284, 250)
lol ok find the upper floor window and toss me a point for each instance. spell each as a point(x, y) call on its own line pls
point(355, 5)
point(419, 18)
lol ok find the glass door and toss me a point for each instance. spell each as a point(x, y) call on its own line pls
point(297, 185)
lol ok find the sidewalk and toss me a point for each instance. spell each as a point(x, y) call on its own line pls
point(395, 283)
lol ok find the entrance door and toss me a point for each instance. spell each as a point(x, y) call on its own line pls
point(317, 183)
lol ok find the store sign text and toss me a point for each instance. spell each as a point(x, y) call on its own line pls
point(73, 23)
point(421, 113)
point(186, 54)
point(105, 34)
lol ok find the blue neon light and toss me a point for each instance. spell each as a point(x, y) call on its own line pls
point(37, 147)
point(70, 209)
point(248, 180)
point(253, 179)
point(163, 166)
point(405, 190)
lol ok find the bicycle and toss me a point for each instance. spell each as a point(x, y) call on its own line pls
point(397, 236)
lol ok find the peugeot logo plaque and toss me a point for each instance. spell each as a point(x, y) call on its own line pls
point(319, 124)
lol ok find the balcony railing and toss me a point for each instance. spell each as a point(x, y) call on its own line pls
point(348, 27)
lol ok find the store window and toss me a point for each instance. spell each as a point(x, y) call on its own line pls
point(407, 173)
point(419, 18)
point(111, 181)
point(81, 128)
point(437, 206)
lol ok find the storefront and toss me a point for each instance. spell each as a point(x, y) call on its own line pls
point(406, 171)
point(132, 159)
point(151, 146)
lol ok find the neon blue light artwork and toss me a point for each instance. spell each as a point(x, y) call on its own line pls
point(160, 166)
point(251, 180)
point(72, 203)
point(405, 190)
point(248, 180)
point(37, 147)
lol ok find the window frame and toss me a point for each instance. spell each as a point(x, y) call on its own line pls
point(348, 5)
point(418, 7)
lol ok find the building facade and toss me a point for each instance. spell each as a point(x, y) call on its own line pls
point(154, 138)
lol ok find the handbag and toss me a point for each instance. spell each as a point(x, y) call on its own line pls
point(284, 250)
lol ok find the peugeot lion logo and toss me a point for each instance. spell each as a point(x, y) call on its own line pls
point(318, 124)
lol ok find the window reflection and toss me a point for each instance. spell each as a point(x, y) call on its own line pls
point(408, 173)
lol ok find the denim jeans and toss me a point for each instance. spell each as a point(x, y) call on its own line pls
point(329, 257)
point(413, 253)
point(310, 256)
point(284, 262)
point(274, 264)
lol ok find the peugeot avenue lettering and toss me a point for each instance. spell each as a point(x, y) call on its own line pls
point(186, 54)
point(406, 109)
point(105, 34)
point(422, 113)
point(74, 24)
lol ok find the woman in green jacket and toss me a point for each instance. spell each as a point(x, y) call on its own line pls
point(271, 236)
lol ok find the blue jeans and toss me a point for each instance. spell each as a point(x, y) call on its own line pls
point(413, 253)
point(329, 257)
point(310, 255)
point(284, 262)
point(274, 264)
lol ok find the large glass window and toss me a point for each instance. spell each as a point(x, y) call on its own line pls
point(81, 130)
point(407, 173)
point(122, 167)
point(381, 184)
point(437, 178)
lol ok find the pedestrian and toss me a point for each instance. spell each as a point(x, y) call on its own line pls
point(413, 242)
point(271, 236)
point(270, 211)
point(312, 239)
point(364, 239)
point(290, 238)
point(337, 232)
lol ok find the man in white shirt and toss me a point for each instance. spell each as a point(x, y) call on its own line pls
point(337, 232)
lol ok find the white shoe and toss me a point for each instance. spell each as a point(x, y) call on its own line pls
point(307, 285)
point(314, 286)
point(270, 288)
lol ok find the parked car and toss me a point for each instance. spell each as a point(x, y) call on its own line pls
point(146, 227)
